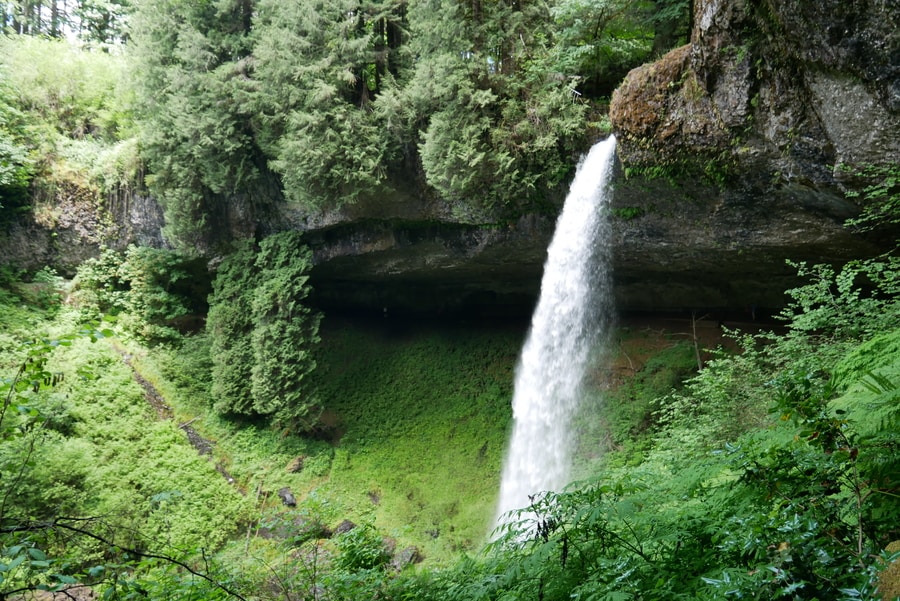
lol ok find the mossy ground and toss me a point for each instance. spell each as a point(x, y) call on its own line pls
point(416, 419)
point(415, 424)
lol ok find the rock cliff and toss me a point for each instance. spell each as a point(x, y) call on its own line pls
point(738, 149)
point(735, 156)
point(736, 153)
point(70, 228)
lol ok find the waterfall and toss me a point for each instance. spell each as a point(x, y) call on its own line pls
point(570, 321)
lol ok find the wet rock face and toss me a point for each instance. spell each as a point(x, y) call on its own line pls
point(771, 83)
point(707, 247)
point(433, 267)
point(75, 227)
point(730, 148)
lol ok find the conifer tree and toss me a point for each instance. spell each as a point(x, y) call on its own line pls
point(192, 59)
point(263, 333)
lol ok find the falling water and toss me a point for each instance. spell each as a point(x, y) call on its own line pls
point(570, 320)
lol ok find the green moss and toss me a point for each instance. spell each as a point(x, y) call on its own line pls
point(617, 422)
point(415, 423)
point(627, 213)
point(423, 421)
point(712, 169)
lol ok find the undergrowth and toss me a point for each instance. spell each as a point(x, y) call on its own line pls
point(411, 439)
point(770, 473)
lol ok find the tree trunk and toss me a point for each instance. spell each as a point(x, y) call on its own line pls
point(55, 29)
point(37, 26)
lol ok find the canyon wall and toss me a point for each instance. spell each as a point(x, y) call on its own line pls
point(736, 153)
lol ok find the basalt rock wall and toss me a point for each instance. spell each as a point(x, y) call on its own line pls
point(64, 231)
point(738, 150)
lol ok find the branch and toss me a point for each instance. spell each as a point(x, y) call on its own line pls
point(61, 523)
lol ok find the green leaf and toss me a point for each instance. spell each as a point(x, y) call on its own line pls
point(16, 562)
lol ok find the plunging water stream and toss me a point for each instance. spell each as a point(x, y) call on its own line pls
point(570, 321)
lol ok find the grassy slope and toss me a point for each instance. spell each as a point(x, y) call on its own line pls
point(104, 453)
point(418, 417)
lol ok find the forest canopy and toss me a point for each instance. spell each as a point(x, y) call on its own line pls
point(485, 104)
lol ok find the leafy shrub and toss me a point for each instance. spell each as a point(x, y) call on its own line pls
point(15, 164)
point(89, 483)
point(76, 93)
point(486, 147)
point(153, 289)
point(879, 196)
point(155, 300)
point(360, 548)
point(72, 113)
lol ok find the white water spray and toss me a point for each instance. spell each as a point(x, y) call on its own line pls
point(571, 318)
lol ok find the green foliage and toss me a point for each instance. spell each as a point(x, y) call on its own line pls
point(44, 291)
point(627, 213)
point(154, 289)
point(102, 23)
point(230, 326)
point(341, 99)
point(630, 410)
point(601, 41)
point(285, 333)
point(78, 94)
point(499, 128)
point(879, 196)
point(15, 165)
point(361, 548)
point(859, 300)
point(155, 277)
point(399, 394)
point(773, 475)
point(99, 22)
point(264, 332)
point(320, 68)
point(99, 283)
point(393, 392)
point(68, 133)
point(88, 483)
point(489, 148)
point(195, 137)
